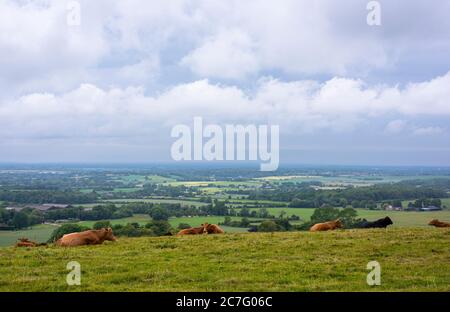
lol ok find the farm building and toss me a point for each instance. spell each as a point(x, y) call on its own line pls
point(430, 208)
point(392, 208)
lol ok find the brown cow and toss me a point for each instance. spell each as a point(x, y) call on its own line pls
point(213, 228)
point(193, 230)
point(90, 237)
point(326, 226)
point(438, 223)
point(25, 242)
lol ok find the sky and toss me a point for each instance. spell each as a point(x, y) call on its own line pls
point(105, 81)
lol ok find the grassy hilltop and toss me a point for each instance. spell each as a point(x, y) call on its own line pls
point(411, 260)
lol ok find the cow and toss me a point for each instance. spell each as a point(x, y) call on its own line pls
point(90, 237)
point(213, 229)
point(193, 231)
point(380, 223)
point(25, 242)
point(326, 226)
point(253, 229)
point(438, 223)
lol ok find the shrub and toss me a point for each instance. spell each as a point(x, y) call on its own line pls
point(159, 213)
point(66, 229)
point(159, 228)
point(101, 224)
point(268, 226)
point(183, 226)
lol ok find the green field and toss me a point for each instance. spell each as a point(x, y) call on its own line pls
point(400, 218)
point(40, 233)
point(138, 218)
point(411, 260)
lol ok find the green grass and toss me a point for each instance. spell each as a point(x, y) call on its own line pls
point(400, 218)
point(39, 233)
point(446, 202)
point(196, 221)
point(174, 222)
point(138, 218)
point(410, 259)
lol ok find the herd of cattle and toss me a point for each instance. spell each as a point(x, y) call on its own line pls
point(96, 237)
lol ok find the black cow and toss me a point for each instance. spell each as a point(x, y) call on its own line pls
point(380, 223)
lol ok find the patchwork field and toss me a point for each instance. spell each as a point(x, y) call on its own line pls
point(411, 260)
point(157, 200)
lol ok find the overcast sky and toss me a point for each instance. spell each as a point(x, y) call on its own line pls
point(111, 88)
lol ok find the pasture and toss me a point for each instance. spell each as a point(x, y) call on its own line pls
point(40, 233)
point(400, 218)
point(411, 260)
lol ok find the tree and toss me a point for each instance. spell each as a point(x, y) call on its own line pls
point(20, 220)
point(263, 213)
point(66, 229)
point(183, 226)
point(160, 214)
point(348, 216)
point(227, 220)
point(219, 208)
point(268, 226)
point(35, 217)
point(245, 222)
point(324, 214)
point(101, 224)
point(159, 228)
point(245, 212)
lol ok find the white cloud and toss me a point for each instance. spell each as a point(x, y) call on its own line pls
point(228, 55)
point(299, 106)
point(213, 39)
point(428, 131)
point(395, 126)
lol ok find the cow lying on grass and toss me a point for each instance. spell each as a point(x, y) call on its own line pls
point(25, 242)
point(90, 237)
point(213, 229)
point(326, 226)
point(205, 228)
point(438, 223)
point(380, 223)
point(193, 231)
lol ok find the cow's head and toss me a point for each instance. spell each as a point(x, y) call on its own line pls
point(338, 223)
point(388, 221)
point(108, 234)
point(205, 227)
point(433, 222)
